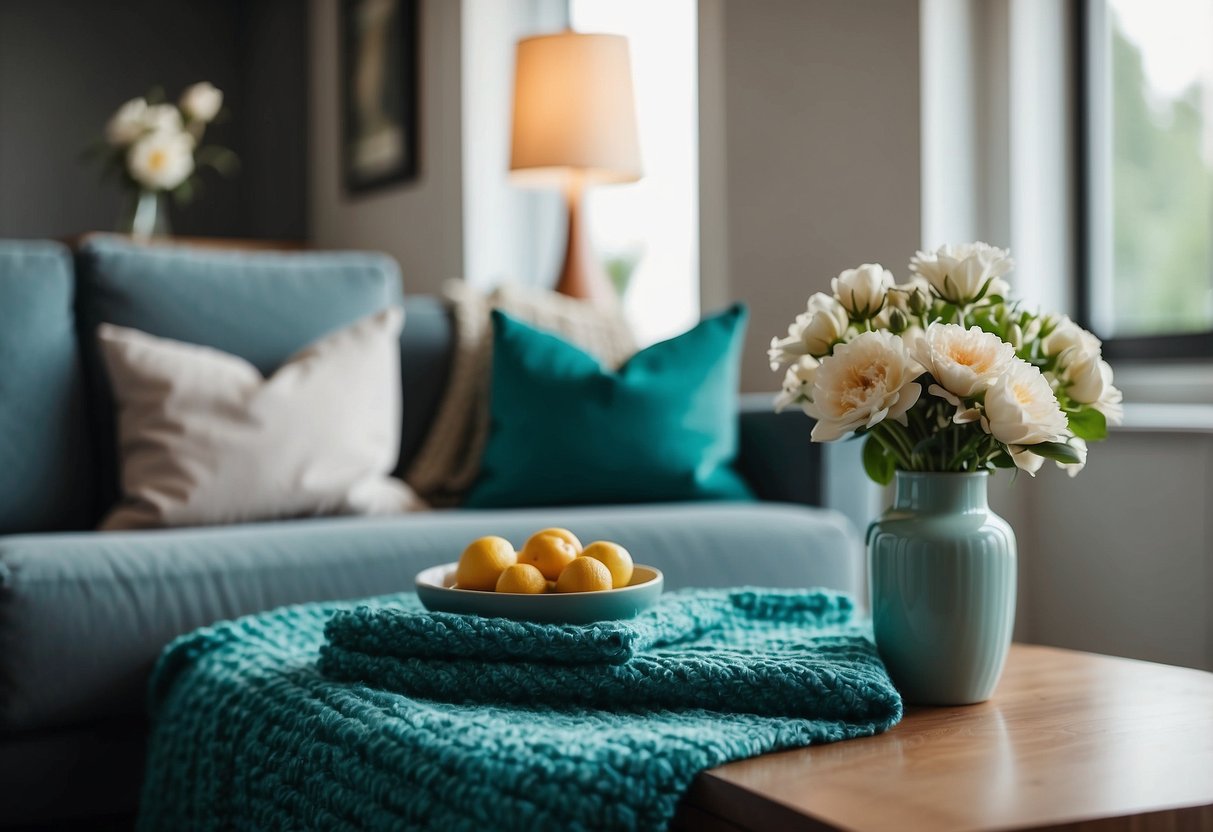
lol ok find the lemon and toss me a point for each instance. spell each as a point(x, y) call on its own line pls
point(563, 534)
point(550, 551)
point(522, 578)
point(614, 557)
point(482, 563)
point(584, 575)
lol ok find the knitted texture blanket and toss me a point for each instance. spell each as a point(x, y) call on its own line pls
point(601, 727)
point(400, 631)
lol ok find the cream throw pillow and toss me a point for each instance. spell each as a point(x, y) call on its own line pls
point(205, 439)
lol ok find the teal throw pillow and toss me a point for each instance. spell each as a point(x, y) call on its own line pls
point(565, 431)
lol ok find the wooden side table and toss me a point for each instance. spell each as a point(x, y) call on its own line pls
point(1070, 741)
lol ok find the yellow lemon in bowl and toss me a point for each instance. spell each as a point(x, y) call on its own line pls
point(522, 578)
point(563, 534)
point(550, 551)
point(482, 563)
point(584, 575)
point(614, 557)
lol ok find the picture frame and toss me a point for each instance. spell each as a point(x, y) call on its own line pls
point(379, 60)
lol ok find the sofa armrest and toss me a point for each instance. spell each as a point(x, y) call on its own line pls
point(781, 463)
point(775, 455)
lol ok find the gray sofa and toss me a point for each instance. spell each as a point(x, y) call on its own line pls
point(84, 614)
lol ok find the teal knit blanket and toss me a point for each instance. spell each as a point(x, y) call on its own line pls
point(380, 715)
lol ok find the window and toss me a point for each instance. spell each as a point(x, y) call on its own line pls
point(1146, 83)
point(647, 233)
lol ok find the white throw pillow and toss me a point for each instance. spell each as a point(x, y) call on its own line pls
point(205, 439)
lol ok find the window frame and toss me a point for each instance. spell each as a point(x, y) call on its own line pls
point(1089, 67)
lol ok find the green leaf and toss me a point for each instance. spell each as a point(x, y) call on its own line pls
point(1088, 423)
point(1057, 451)
point(877, 462)
point(184, 192)
point(986, 323)
point(224, 161)
point(1002, 460)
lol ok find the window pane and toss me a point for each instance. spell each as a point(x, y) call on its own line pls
point(1160, 67)
point(647, 233)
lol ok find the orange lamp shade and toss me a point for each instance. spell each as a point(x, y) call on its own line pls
point(574, 110)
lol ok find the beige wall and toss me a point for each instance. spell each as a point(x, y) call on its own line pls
point(1118, 559)
point(809, 121)
point(419, 223)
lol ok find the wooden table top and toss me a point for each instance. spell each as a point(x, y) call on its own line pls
point(1070, 741)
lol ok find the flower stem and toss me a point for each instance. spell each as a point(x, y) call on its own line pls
point(886, 436)
point(900, 434)
point(970, 449)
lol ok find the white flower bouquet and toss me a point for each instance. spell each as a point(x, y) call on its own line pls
point(155, 147)
point(944, 372)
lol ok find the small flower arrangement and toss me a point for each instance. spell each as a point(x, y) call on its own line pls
point(944, 373)
point(153, 147)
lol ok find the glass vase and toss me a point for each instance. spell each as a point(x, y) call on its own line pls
point(942, 572)
point(146, 215)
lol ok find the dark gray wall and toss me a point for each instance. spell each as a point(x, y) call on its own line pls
point(66, 65)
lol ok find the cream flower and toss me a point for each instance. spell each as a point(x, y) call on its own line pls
point(902, 296)
point(814, 332)
point(161, 160)
point(1024, 459)
point(201, 102)
point(964, 362)
point(1083, 374)
point(1072, 469)
point(863, 383)
point(960, 273)
point(1111, 401)
point(127, 124)
point(827, 323)
point(162, 118)
point(1021, 409)
point(797, 383)
point(862, 291)
point(1065, 335)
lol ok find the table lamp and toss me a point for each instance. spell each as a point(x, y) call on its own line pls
point(575, 126)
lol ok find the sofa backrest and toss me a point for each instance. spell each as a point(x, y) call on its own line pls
point(261, 306)
point(46, 474)
point(427, 345)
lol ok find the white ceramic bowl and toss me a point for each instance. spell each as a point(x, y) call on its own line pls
point(434, 588)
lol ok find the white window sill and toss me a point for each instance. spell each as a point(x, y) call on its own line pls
point(1142, 417)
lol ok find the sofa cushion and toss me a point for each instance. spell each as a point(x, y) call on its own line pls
point(446, 465)
point(568, 431)
point(44, 453)
point(260, 306)
point(83, 616)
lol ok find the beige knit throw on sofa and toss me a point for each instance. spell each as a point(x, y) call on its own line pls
point(449, 459)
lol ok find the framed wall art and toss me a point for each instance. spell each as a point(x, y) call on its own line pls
point(378, 92)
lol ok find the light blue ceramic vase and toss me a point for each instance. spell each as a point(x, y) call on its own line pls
point(942, 575)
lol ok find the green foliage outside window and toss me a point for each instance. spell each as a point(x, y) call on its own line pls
point(1162, 203)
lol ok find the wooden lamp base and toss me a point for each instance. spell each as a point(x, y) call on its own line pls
point(582, 275)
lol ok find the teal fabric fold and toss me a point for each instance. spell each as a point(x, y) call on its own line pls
point(252, 733)
point(770, 653)
point(404, 631)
